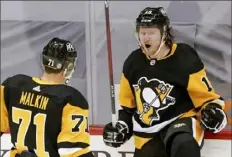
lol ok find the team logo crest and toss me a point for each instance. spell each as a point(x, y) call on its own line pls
point(152, 96)
point(70, 47)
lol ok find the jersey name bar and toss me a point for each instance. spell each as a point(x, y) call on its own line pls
point(34, 100)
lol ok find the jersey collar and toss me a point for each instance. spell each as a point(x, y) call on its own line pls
point(39, 81)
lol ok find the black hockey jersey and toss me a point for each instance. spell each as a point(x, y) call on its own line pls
point(157, 92)
point(49, 119)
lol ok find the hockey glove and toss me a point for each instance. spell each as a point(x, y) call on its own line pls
point(116, 136)
point(213, 118)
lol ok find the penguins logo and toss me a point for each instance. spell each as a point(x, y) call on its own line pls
point(152, 96)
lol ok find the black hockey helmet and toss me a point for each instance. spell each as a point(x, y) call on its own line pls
point(59, 52)
point(155, 17)
point(152, 17)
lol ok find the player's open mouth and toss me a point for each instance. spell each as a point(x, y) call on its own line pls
point(147, 46)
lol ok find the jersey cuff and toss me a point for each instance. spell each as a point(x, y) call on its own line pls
point(216, 101)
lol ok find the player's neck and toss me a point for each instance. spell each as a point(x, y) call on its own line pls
point(164, 51)
point(52, 78)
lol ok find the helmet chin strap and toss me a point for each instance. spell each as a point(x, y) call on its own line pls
point(161, 45)
point(68, 75)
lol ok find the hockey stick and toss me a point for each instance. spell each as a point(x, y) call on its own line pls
point(110, 63)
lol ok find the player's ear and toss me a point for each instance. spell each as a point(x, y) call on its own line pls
point(64, 72)
point(68, 71)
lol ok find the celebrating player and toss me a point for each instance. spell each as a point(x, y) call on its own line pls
point(163, 87)
point(47, 118)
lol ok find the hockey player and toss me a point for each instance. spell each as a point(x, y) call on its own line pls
point(163, 89)
point(47, 118)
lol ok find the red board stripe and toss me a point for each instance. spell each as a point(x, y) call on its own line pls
point(225, 134)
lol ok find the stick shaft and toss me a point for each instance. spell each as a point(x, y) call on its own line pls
point(110, 63)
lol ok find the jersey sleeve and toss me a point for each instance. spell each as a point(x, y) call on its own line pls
point(126, 97)
point(199, 86)
point(4, 112)
point(201, 91)
point(74, 138)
